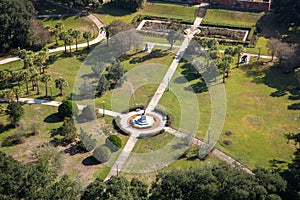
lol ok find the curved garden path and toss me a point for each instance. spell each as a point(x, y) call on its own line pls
point(101, 36)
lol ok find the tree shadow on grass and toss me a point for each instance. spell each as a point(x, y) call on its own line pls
point(274, 77)
point(53, 118)
point(156, 53)
point(90, 161)
point(4, 128)
point(111, 9)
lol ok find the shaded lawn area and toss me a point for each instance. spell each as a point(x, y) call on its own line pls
point(259, 112)
point(215, 16)
point(186, 13)
point(46, 8)
point(73, 165)
point(33, 114)
point(74, 22)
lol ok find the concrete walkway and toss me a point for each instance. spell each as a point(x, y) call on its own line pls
point(57, 103)
point(219, 154)
point(121, 160)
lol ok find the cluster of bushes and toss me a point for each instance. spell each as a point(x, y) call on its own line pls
point(112, 144)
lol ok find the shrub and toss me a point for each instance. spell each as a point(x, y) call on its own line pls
point(113, 142)
point(88, 113)
point(67, 109)
point(102, 154)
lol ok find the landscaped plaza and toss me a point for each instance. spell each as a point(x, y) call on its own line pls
point(122, 100)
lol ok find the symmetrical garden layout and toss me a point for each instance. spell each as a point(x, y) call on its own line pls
point(247, 110)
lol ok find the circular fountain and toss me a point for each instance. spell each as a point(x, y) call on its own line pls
point(143, 121)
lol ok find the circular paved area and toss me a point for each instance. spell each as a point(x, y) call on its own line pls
point(159, 124)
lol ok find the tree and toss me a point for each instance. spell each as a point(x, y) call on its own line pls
point(113, 142)
point(14, 27)
point(272, 46)
point(76, 35)
point(115, 73)
point(239, 50)
point(102, 154)
point(68, 130)
point(297, 74)
point(38, 36)
point(103, 85)
point(88, 113)
point(27, 57)
point(40, 59)
point(94, 190)
point(87, 142)
point(15, 111)
point(106, 30)
point(61, 84)
point(18, 92)
point(172, 37)
point(87, 35)
point(35, 78)
point(63, 37)
point(67, 109)
point(5, 75)
point(45, 79)
point(69, 41)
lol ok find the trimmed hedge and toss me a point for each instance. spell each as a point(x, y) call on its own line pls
point(148, 135)
point(118, 127)
point(113, 142)
point(102, 154)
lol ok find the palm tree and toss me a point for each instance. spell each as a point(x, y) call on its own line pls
point(239, 50)
point(5, 76)
point(35, 78)
point(61, 83)
point(69, 41)
point(228, 59)
point(17, 92)
point(106, 30)
point(59, 26)
point(9, 95)
point(297, 73)
point(33, 75)
point(26, 77)
point(87, 35)
point(45, 79)
point(56, 35)
point(27, 57)
point(63, 36)
point(76, 35)
point(40, 59)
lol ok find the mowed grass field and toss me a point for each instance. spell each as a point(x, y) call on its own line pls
point(215, 16)
point(257, 115)
point(186, 13)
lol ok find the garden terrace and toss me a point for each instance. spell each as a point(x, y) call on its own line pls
point(223, 33)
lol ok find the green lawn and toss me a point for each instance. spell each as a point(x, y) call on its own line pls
point(107, 14)
point(232, 18)
point(152, 144)
point(74, 22)
point(46, 8)
point(258, 99)
point(261, 43)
